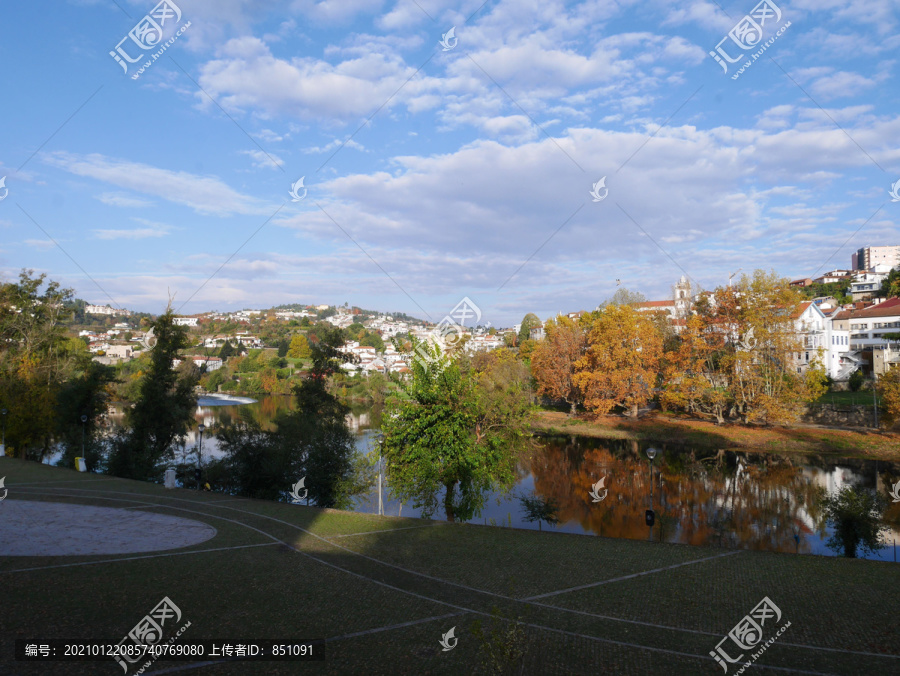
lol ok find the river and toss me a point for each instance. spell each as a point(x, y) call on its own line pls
point(602, 487)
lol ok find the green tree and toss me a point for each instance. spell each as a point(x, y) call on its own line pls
point(857, 518)
point(313, 441)
point(623, 297)
point(228, 350)
point(890, 286)
point(373, 340)
point(283, 347)
point(36, 358)
point(86, 394)
point(163, 410)
point(529, 321)
point(456, 429)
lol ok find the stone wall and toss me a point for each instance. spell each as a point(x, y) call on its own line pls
point(839, 415)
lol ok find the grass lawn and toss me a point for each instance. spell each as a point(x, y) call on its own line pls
point(383, 590)
point(861, 398)
point(845, 443)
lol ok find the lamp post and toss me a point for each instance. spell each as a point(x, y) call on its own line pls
point(201, 427)
point(3, 444)
point(83, 421)
point(380, 503)
point(875, 397)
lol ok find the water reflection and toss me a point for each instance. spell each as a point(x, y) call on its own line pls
point(700, 497)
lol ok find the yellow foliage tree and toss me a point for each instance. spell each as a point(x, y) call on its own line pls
point(888, 389)
point(622, 360)
point(553, 360)
point(299, 347)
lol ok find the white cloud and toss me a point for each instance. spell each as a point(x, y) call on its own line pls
point(263, 160)
point(42, 244)
point(118, 199)
point(134, 233)
point(334, 145)
point(204, 194)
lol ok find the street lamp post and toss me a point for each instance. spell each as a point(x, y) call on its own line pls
point(380, 503)
point(83, 421)
point(201, 427)
point(3, 444)
point(875, 397)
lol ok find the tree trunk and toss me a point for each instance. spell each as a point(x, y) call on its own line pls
point(448, 500)
point(572, 408)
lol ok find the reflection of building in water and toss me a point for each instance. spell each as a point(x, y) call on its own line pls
point(354, 421)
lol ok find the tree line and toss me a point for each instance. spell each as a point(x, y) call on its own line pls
point(734, 359)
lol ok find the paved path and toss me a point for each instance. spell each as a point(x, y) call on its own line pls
point(29, 528)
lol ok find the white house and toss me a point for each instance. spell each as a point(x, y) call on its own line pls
point(120, 351)
point(185, 321)
point(823, 341)
point(212, 363)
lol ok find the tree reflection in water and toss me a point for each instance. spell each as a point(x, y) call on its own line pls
point(719, 498)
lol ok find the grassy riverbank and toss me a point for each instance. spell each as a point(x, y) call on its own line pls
point(382, 591)
point(656, 426)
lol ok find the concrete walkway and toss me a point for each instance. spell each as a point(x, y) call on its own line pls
point(29, 528)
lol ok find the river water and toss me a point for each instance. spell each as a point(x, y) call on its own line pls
point(699, 497)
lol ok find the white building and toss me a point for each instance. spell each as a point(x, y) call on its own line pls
point(823, 342)
point(867, 257)
point(100, 310)
point(120, 351)
point(867, 285)
point(212, 363)
point(185, 321)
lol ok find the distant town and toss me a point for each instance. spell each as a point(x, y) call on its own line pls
point(853, 324)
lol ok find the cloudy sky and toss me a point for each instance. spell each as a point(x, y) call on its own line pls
point(438, 165)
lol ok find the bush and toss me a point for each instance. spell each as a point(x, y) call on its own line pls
point(856, 380)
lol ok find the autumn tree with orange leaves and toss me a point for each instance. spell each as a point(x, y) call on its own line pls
point(622, 361)
point(553, 360)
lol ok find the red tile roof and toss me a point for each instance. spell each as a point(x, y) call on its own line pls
point(889, 308)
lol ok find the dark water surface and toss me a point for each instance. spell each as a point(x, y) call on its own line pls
point(699, 497)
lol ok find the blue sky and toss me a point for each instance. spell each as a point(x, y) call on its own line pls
point(433, 174)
